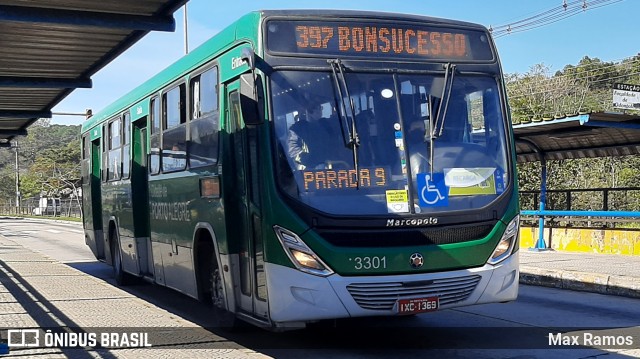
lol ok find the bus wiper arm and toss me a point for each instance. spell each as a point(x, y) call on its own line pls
point(353, 141)
point(446, 91)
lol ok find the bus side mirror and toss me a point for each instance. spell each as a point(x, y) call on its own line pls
point(249, 57)
point(251, 99)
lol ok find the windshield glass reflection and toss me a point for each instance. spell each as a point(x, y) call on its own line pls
point(403, 167)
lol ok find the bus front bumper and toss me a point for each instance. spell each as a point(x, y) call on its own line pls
point(295, 296)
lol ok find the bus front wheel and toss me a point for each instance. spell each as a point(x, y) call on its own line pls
point(122, 278)
point(221, 316)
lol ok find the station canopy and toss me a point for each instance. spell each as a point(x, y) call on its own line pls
point(598, 134)
point(51, 47)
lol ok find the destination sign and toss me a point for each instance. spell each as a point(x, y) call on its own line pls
point(380, 39)
point(340, 179)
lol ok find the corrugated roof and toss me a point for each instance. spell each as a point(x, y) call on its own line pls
point(599, 134)
point(48, 48)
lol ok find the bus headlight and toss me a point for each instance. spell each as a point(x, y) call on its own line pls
point(507, 242)
point(300, 254)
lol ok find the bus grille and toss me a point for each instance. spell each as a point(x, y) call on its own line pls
point(383, 296)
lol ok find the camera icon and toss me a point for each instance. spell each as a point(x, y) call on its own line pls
point(23, 338)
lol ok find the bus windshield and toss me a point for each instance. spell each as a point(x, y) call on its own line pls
point(408, 160)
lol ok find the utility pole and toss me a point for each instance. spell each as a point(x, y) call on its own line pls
point(186, 34)
point(15, 146)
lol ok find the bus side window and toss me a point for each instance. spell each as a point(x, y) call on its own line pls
point(85, 164)
point(114, 155)
point(154, 156)
point(126, 139)
point(204, 124)
point(174, 136)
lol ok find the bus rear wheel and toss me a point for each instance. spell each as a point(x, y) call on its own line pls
point(221, 316)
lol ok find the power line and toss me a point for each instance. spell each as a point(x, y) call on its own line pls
point(614, 68)
point(552, 79)
point(567, 9)
point(610, 69)
point(616, 77)
point(550, 16)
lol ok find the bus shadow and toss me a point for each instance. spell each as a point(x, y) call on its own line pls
point(95, 269)
point(43, 312)
point(162, 297)
point(442, 334)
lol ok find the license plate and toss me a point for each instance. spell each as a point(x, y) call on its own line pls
point(418, 305)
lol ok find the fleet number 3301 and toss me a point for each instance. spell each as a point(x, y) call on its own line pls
point(365, 263)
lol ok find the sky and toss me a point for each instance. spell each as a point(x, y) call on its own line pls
point(608, 33)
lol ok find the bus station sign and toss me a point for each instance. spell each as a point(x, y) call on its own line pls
point(626, 96)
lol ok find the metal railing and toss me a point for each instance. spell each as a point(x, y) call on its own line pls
point(66, 208)
point(591, 208)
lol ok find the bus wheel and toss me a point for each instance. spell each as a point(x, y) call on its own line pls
point(221, 316)
point(122, 278)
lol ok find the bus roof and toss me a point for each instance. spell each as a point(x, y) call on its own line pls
point(356, 14)
point(245, 27)
point(240, 29)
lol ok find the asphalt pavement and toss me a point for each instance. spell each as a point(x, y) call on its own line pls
point(35, 288)
point(599, 273)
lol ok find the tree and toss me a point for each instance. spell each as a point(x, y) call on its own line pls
point(585, 86)
point(537, 94)
point(49, 158)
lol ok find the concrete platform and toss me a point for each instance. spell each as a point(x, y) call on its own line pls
point(600, 273)
point(38, 293)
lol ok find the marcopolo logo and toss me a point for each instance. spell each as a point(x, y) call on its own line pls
point(412, 222)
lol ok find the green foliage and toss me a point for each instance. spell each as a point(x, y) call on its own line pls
point(586, 86)
point(48, 159)
point(588, 173)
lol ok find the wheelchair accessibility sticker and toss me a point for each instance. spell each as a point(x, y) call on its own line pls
point(432, 191)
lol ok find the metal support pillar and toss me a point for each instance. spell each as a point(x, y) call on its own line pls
point(17, 179)
point(540, 245)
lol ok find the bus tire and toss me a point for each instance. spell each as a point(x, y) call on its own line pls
point(122, 278)
point(221, 316)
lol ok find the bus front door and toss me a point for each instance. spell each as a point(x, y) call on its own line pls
point(140, 197)
point(242, 207)
point(93, 201)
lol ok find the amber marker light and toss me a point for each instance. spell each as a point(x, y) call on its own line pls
point(210, 187)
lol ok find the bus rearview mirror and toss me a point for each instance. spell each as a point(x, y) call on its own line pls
point(250, 100)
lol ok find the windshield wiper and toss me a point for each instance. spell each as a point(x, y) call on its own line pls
point(440, 114)
point(449, 68)
point(353, 141)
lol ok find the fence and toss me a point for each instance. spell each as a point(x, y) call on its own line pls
point(623, 200)
point(597, 199)
point(31, 207)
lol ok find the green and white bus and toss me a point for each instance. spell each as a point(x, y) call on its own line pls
point(399, 197)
